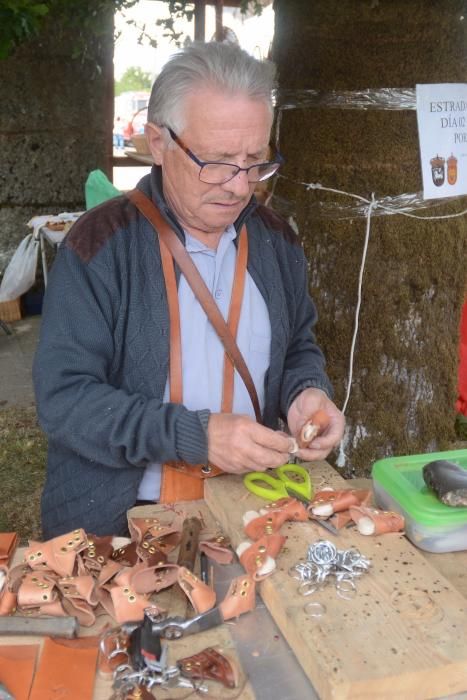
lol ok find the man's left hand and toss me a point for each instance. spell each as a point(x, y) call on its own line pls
point(301, 410)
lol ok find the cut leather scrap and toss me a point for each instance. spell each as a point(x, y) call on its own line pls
point(371, 521)
point(200, 595)
point(65, 671)
point(8, 545)
point(240, 597)
point(17, 664)
point(210, 665)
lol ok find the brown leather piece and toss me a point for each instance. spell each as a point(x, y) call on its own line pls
point(255, 556)
point(384, 521)
point(57, 554)
point(271, 522)
point(341, 499)
point(8, 545)
point(17, 664)
point(97, 553)
point(126, 555)
point(154, 578)
point(210, 665)
point(65, 671)
point(200, 595)
point(180, 486)
point(317, 423)
point(296, 511)
point(217, 548)
point(240, 597)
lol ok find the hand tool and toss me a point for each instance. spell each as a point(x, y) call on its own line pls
point(189, 543)
point(48, 626)
point(287, 480)
point(292, 480)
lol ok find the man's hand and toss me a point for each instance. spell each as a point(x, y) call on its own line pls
point(238, 444)
point(301, 410)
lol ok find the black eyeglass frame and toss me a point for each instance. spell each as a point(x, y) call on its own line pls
point(278, 160)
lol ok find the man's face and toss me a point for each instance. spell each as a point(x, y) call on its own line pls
point(231, 129)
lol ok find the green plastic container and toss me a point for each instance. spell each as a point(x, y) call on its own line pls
point(431, 525)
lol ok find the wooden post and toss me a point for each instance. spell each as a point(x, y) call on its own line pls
point(200, 20)
point(219, 25)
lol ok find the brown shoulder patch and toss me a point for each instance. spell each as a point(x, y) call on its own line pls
point(94, 228)
point(275, 221)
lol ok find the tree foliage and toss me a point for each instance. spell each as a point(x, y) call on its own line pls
point(134, 78)
point(21, 20)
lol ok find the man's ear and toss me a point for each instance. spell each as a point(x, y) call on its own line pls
point(156, 141)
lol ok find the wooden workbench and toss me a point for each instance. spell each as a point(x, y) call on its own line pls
point(177, 604)
point(403, 636)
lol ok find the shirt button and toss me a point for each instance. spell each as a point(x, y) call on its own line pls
point(218, 293)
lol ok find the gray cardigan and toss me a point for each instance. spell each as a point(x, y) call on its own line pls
point(102, 360)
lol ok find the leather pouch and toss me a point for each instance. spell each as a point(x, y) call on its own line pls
point(240, 597)
point(217, 548)
point(272, 521)
point(154, 578)
point(371, 521)
point(57, 554)
point(65, 671)
point(200, 595)
point(8, 544)
point(209, 665)
point(253, 558)
point(17, 664)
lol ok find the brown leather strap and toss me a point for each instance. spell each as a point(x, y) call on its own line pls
point(196, 282)
point(175, 363)
point(234, 318)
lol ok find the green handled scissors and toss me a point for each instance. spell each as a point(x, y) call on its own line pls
point(289, 480)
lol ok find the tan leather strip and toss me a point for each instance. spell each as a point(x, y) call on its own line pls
point(234, 318)
point(178, 486)
point(68, 668)
point(175, 363)
point(196, 282)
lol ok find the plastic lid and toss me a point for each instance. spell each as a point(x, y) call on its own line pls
point(402, 478)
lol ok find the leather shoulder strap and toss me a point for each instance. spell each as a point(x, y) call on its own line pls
point(168, 237)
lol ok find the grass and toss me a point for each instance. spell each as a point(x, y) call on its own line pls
point(23, 452)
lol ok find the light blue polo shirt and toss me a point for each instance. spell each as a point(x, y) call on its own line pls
point(203, 372)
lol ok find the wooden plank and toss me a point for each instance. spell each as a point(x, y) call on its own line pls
point(176, 603)
point(404, 635)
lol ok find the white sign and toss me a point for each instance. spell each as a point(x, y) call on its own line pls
point(442, 132)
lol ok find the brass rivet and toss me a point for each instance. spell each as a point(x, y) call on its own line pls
point(262, 548)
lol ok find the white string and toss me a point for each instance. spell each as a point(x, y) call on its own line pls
point(341, 456)
point(372, 205)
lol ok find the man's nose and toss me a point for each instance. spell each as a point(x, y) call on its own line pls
point(239, 184)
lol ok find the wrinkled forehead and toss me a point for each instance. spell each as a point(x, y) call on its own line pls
point(213, 106)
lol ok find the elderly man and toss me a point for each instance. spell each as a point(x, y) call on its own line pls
point(133, 383)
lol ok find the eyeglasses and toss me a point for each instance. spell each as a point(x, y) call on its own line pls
point(215, 173)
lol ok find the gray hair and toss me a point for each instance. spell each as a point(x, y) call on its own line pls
point(222, 66)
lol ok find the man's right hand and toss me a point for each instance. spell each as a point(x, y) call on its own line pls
point(237, 444)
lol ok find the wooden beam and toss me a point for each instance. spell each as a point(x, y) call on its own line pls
point(219, 23)
point(200, 20)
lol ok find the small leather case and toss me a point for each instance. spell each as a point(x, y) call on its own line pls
point(209, 665)
point(240, 598)
point(8, 544)
point(200, 595)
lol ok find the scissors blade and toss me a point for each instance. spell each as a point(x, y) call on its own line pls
point(306, 501)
